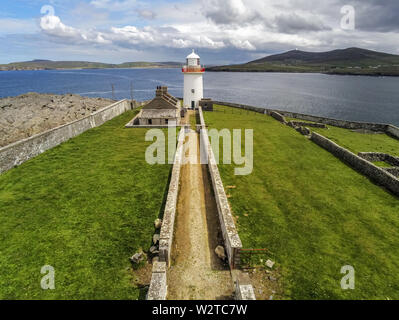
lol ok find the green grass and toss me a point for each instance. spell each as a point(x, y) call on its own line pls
point(83, 207)
point(361, 142)
point(313, 212)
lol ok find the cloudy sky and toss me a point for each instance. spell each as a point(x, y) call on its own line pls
point(222, 31)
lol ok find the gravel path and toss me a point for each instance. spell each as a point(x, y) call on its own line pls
point(196, 272)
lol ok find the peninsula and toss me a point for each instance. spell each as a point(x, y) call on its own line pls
point(60, 65)
point(351, 61)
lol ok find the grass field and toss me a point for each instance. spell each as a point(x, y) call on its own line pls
point(313, 212)
point(361, 142)
point(84, 208)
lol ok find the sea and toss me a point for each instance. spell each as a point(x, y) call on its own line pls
point(357, 98)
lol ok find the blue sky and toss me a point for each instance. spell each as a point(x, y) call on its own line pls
point(222, 31)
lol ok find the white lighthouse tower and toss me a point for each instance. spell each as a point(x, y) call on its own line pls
point(193, 81)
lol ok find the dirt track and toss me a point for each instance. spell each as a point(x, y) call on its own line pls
point(196, 272)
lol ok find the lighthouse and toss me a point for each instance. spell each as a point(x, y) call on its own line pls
point(193, 81)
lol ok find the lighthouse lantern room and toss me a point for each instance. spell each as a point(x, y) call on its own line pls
point(193, 81)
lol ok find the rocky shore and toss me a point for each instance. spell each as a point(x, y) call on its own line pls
point(32, 113)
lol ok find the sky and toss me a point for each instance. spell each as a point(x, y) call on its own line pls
point(221, 31)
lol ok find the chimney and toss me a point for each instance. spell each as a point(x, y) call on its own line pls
point(158, 92)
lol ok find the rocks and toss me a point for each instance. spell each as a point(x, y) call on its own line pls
point(158, 223)
point(15, 113)
point(154, 250)
point(270, 263)
point(155, 239)
point(138, 257)
point(303, 130)
point(278, 117)
point(220, 252)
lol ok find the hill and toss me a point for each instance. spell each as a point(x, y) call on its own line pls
point(355, 61)
point(51, 65)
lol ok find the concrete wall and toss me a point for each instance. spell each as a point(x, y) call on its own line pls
point(21, 151)
point(243, 288)
point(379, 175)
point(166, 236)
point(231, 238)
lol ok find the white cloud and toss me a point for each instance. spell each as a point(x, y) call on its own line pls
point(246, 26)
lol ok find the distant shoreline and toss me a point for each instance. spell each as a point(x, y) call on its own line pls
point(61, 69)
point(307, 72)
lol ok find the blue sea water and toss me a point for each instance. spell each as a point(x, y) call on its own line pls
point(374, 99)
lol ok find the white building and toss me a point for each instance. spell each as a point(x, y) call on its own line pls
point(193, 81)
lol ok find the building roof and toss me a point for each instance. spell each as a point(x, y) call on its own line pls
point(159, 114)
point(193, 55)
point(162, 101)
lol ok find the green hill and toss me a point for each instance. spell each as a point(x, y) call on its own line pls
point(49, 65)
point(353, 61)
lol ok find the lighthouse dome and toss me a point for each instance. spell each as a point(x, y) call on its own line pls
point(193, 55)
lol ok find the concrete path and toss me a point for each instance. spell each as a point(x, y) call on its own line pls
point(196, 272)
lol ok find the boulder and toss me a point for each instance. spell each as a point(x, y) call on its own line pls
point(158, 223)
point(270, 263)
point(154, 250)
point(138, 257)
point(220, 252)
point(155, 239)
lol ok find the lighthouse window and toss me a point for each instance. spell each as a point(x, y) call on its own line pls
point(192, 90)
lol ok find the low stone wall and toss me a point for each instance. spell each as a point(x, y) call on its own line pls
point(231, 238)
point(387, 128)
point(21, 151)
point(377, 156)
point(166, 236)
point(394, 171)
point(278, 116)
point(393, 131)
point(158, 289)
point(365, 167)
point(308, 124)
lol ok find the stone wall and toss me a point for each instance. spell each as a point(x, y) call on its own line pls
point(393, 131)
point(278, 116)
point(393, 170)
point(21, 151)
point(308, 124)
point(387, 128)
point(363, 166)
point(166, 236)
point(377, 156)
point(158, 289)
point(231, 238)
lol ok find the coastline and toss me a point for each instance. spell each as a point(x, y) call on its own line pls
point(309, 72)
